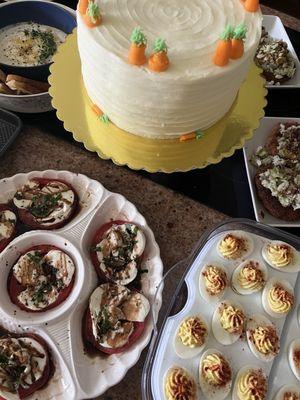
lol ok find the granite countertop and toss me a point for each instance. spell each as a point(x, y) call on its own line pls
point(177, 222)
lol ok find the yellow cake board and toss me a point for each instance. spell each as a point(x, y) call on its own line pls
point(73, 107)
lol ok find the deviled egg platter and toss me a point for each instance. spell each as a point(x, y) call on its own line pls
point(281, 256)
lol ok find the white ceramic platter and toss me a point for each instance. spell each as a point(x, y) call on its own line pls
point(77, 375)
point(259, 139)
point(238, 354)
point(275, 28)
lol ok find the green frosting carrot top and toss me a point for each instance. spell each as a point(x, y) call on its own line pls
point(227, 33)
point(138, 37)
point(240, 32)
point(160, 45)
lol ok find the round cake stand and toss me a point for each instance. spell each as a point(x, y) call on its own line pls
point(170, 155)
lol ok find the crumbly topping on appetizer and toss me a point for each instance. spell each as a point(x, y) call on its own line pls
point(8, 222)
point(215, 280)
point(232, 319)
point(232, 246)
point(180, 385)
point(280, 255)
point(252, 385)
point(192, 332)
point(250, 276)
point(216, 370)
point(265, 339)
point(280, 300)
point(291, 396)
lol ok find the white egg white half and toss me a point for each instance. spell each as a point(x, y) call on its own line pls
point(202, 288)
point(254, 322)
point(294, 266)
point(184, 351)
point(209, 391)
point(287, 389)
point(235, 282)
point(240, 234)
point(264, 297)
point(295, 345)
point(221, 335)
point(242, 371)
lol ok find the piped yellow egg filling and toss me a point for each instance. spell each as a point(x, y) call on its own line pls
point(232, 319)
point(180, 385)
point(192, 332)
point(215, 280)
point(251, 277)
point(216, 370)
point(252, 385)
point(232, 247)
point(265, 339)
point(279, 255)
point(280, 300)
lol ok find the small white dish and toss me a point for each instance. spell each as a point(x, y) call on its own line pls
point(276, 30)
point(259, 139)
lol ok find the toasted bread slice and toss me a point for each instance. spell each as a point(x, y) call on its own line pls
point(272, 204)
point(22, 88)
point(41, 86)
point(4, 89)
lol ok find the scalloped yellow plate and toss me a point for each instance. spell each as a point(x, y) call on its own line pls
point(74, 109)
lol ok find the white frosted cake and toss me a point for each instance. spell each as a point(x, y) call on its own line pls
point(193, 93)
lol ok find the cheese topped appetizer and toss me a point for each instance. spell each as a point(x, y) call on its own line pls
point(8, 221)
point(41, 279)
point(116, 251)
point(45, 203)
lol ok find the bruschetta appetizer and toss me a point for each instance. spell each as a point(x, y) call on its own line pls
point(41, 279)
point(116, 251)
point(8, 221)
point(46, 203)
point(115, 318)
point(25, 365)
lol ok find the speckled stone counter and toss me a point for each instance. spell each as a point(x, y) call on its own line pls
point(177, 222)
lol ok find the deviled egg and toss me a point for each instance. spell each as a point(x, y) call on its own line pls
point(235, 245)
point(215, 375)
point(288, 392)
point(278, 297)
point(179, 384)
point(249, 277)
point(250, 383)
point(213, 283)
point(294, 357)
point(262, 337)
point(281, 256)
point(191, 336)
point(228, 322)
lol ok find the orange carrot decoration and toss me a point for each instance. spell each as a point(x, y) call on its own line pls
point(159, 60)
point(237, 42)
point(136, 55)
point(97, 110)
point(251, 5)
point(223, 50)
point(92, 17)
point(190, 136)
point(82, 6)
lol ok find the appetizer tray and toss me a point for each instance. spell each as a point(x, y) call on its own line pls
point(77, 375)
point(187, 301)
point(259, 139)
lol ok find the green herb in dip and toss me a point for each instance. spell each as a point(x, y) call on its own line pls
point(29, 44)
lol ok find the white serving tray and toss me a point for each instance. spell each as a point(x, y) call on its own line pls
point(77, 375)
point(259, 139)
point(275, 28)
point(238, 354)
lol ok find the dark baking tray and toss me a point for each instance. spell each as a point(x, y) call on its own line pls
point(10, 127)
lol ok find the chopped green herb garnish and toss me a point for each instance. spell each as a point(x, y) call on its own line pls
point(35, 258)
point(48, 44)
point(43, 204)
point(104, 324)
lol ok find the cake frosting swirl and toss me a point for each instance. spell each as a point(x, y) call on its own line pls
point(179, 385)
point(193, 93)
